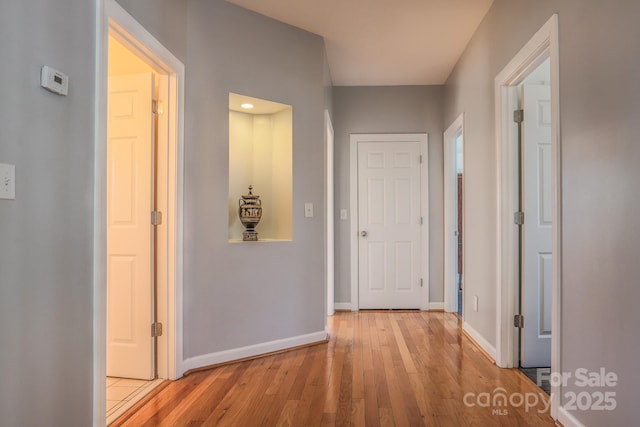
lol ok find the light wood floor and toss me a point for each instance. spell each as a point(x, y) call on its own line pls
point(378, 369)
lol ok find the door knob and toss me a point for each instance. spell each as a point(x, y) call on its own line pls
point(363, 233)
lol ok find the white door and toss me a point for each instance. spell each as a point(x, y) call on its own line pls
point(130, 178)
point(389, 225)
point(537, 242)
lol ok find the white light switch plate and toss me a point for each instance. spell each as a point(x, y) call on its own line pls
point(7, 181)
point(343, 214)
point(308, 210)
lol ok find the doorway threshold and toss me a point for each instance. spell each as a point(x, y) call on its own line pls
point(539, 376)
point(123, 393)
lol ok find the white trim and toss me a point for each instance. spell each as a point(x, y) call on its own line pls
point(110, 16)
point(353, 223)
point(253, 350)
point(330, 218)
point(342, 306)
point(100, 223)
point(544, 44)
point(424, 209)
point(479, 340)
point(450, 190)
point(436, 306)
point(421, 138)
point(567, 419)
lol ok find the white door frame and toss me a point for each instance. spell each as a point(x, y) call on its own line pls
point(111, 17)
point(544, 44)
point(450, 213)
point(422, 139)
point(330, 218)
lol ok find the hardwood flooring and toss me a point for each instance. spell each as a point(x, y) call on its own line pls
point(378, 369)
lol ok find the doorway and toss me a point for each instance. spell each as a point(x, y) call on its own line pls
point(132, 137)
point(163, 317)
point(541, 47)
point(389, 221)
point(535, 237)
point(454, 217)
point(536, 205)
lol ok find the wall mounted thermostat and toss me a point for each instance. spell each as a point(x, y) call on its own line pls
point(54, 81)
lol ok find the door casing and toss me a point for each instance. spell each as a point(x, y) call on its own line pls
point(329, 218)
point(543, 45)
point(112, 19)
point(421, 138)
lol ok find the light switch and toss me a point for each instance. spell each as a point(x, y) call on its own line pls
point(308, 210)
point(343, 214)
point(7, 181)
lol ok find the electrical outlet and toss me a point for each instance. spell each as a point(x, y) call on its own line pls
point(7, 181)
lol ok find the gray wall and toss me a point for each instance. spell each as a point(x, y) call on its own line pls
point(239, 294)
point(243, 294)
point(328, 85)
point(390, 109)
point(46, 245)
point(165, 19)
point(599, 107)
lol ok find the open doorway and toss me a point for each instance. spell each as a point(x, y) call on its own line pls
point(524, 208)
point(138, 179)
point(535, 238)
point(132, 175)
point(454, 216)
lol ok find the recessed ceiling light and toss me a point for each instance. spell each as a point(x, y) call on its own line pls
point(247, 106)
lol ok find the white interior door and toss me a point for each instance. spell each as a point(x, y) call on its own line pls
point(537, 242)
point(130, 178)
point(389, 225)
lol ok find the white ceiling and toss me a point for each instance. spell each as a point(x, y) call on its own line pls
point(383, 42)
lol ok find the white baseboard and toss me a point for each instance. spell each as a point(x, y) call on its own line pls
point(342, 306)
point(480, 340)
point(567, 419)
point(251, 350)
point(436, 306)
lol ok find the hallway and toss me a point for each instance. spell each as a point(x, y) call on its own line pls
point(378, 368)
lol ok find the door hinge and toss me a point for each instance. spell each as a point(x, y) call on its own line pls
point(518, 321)
point(518, 218)
point(154, 106)
point(421, 220)
point(518, 116)
point(156, 218)
point(421, 282)
point(156, 329)
point(420, 158)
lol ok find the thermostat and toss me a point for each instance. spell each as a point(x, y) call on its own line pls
point(54, 81)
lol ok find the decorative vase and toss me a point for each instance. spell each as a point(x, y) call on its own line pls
point(250, 213)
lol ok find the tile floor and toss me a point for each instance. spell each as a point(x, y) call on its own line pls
point(532, 374)
point(123, 393)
